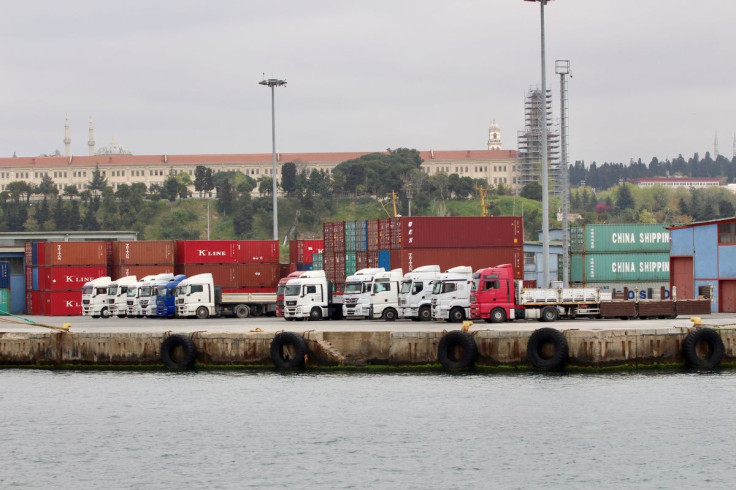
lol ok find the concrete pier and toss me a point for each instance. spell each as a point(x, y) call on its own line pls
point(589, 347)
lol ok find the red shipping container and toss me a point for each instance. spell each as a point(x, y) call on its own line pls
point(258, 275)
point(301, 251)
point(73, 253)
point(40, 253)
point(68, 278)
point(143, 252)
point(338, 236)
point(28, 249)
point(371, 259)
point(139, 271)
point(61, 303)
point(372, 235)
point(259, 252)
point(395, 225)
point(461, 232)
point(446, 258)
point(361, 260)
point(384, 233)
point(29, 278)
point(207, 252)
point(33, 303)
point(223, 275)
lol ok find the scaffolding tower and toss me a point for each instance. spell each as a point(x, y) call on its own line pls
point(530, 143)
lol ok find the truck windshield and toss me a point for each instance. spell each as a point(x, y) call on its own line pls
point(87, 289)
point(381, 286)
point(112, 290)
point(181, 291)
point(474, 287)
point(437, 287)
point(292, 290)
point(147, 291)
point(406, 287)
point(132, 290)
point(280, 290)
point(353, 288)
point(161, 292)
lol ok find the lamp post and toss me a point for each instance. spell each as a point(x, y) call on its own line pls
point(545, 163)
point(273, 83)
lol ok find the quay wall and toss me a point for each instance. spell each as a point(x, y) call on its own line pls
point(596, 348)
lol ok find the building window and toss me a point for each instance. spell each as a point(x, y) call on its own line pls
point(727, 233)
point(530, 258)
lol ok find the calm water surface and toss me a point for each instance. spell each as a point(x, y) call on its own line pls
point(72, 429)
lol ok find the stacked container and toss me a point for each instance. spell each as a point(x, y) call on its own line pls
point(242, 265)
point(302, 252)
point(409, 243)
point(622, 257)
point(4, 288)
point(141, 258)
point(58, 270)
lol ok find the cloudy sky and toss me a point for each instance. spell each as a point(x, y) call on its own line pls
point(650, 78)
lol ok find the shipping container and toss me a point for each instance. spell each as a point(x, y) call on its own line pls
point(207, 252)
point(301, 251)
point(327, 235)
point(73, 253)
point(372, 235)
point(338, 236)
point(351, 263)
point(67, 278)
point(371, 259)
point(28, 249)
point(61, 303)
point(460, 232)
point(384, 233)
point(143, 252)
point(361, 260)
point(33, 302)
point(4, 301)
point(396, 237)
point(225, 275)
point(384, 259)
point(259, 252)
point(620, 267)
point(258, 275)
point(4, 275)
point(119, 271)
point(34, 278)
point(619, 238)
point(446, 258)
point(29, 278)
point(38, 252)
point(318, 262)
point(350, 236)
point(361, 236)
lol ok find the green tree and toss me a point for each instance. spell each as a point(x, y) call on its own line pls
point(624, 200)
point(43, 213)
point(288, 178)
point(60, 215)
point(47, 187)
point(98, 182)
point(532, 190)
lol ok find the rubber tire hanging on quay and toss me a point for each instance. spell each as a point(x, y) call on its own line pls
point(168, 346)
point(453, 340)
point(690, 348)
point(288, 350)
point(541, 337)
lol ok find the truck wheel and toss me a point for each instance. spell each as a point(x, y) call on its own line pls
point(549, 314)
point(202, 312)
point(105, 313)
point(498, 315)
point(178, 352)
point(241, 311)
point(457, 350)
point(457, 315)
point(547, 349)
point(703, 348)
point(425, 313)
point(288, 350)
point(315, 315)
point(121, 316)
point(389, 315)
point(95, 316)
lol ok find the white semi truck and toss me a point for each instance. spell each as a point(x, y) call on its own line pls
point(385, 295)
point(142, 296)
point(451, 294)
point(356, 298)
point(311, 296)
point(415, 297)
point(117, 295)
point(94, 298)
point(199, 297)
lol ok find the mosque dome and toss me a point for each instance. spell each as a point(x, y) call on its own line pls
point(113, 149)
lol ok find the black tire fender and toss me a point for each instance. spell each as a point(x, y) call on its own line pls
point(288, 350)
point(457, 350)
point(537, 350)
point(715, 348)
point(169, 347)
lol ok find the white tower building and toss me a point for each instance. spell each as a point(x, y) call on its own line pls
point(91, 141)
point(494, 137)
point(67, 139)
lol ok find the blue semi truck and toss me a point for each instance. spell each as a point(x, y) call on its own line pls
point(166, 296)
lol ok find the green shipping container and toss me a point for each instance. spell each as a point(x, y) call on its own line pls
point(609, 267)
point(620, 238)
point(350, 236)
point(4, 301)
point(318, 262)
point(351, 264)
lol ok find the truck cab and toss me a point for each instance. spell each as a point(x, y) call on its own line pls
point(280, 291)
point(415, 296)
point(133, 305)
point(493, 295)
point(385, 295)
point(356, 297)
point(144, 300)
point(117, 295)
point(310, 296)
point(197, 296)
point(94, 298)
point(451, 294)
point(166, 296)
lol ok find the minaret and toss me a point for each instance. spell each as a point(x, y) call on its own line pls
point(494, 137)
point(91, 142)
point(67, 139)
point(715, 147)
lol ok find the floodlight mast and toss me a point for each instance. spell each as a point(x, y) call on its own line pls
point(545, 163)
point(273, 83)
point(562, 68)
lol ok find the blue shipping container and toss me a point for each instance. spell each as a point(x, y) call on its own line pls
point(4, 275)
point(384, 259)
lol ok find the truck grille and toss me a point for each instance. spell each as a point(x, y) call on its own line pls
point(85, 301)
point(351, 301)
point(291, 303)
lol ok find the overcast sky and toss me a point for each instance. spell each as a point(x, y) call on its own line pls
point(650, 78)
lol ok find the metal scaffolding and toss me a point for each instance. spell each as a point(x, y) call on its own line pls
point(530, 143)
